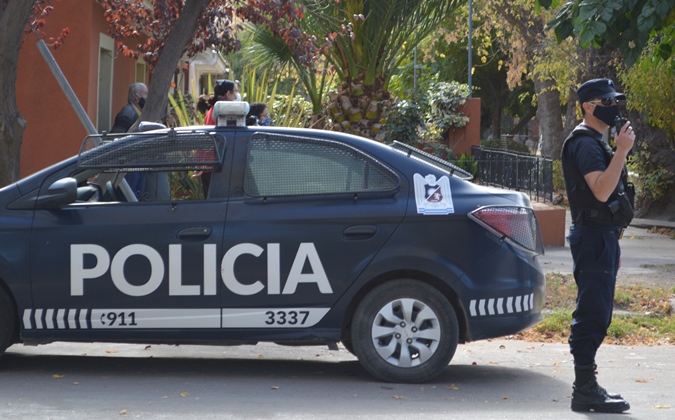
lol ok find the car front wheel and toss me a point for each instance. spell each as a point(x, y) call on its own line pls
point(405, 331)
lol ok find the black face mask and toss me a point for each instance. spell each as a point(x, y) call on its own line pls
point(607, 114)
point(141, 103)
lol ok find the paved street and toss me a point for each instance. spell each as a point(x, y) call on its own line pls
point(640, 250)
point(486, 380)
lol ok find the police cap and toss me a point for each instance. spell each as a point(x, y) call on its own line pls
point(598, 88)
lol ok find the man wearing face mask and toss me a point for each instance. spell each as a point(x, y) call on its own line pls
point(601, 203)
point(130, 112)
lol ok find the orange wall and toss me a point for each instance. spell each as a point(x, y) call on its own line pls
point(53, 130)
point(461, 139)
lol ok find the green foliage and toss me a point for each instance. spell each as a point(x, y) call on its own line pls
point(653, 180)
point(371, 37)
point(405, 123)
point(558, 178)
point(185, 187)
point(657, 105)
point(625, 24)
point(285, 110)
point(446, 100)
point(291, 111)
point(467, 162)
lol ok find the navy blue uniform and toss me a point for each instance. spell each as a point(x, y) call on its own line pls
point(595, 251)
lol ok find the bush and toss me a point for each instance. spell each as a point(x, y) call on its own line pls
point(405, 122)
point(446, 100)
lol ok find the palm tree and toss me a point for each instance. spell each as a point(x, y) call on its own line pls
point(272, 52)
point(370, 39)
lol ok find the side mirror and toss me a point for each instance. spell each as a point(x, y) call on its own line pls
point(61, 192)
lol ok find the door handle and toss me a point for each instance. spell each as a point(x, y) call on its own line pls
point(194, 233)
point(359, 232)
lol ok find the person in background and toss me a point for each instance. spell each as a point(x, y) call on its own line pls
point(130, 112)
point(224, 90)
point(259, 112)
point(203, 104)
point(600, 198)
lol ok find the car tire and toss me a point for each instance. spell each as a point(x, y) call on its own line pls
point(348, 345)
point(6, 321)
point(405, 331)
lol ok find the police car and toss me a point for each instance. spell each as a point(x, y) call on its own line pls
point(303, 237)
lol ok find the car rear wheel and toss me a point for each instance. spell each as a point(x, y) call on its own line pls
point(405, 331)
point(6, 321)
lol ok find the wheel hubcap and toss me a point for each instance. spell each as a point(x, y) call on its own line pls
point(406, 332)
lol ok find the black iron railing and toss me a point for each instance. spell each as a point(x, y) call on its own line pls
point(532, 174)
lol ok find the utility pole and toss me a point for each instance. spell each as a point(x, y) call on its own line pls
point(470, 46)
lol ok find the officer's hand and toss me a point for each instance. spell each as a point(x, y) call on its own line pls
point(625, 139)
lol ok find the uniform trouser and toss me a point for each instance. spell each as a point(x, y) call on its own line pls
point(596, 256)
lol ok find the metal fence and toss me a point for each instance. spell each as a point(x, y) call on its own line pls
point(532, 174)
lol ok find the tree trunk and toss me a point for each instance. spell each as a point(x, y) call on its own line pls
point(359, 109)
point(160, 82)
point(571, 119)
point(13, 17)
point(549, 116)
point(523, 122)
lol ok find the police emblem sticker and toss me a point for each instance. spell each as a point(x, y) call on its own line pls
point(433, 195)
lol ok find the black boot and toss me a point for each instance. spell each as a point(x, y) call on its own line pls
point(611, 395)
point(588, 395)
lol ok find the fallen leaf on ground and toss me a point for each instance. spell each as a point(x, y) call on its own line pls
point(184, 394)
point(148, 347)
point(57, 376)
point(505, 397)
point(112, 351)
point(398, 397)
point(452, 387)
point(642, 381)
point(275, 387)
point(123, 413)
point(662, 406)
point(494, 363)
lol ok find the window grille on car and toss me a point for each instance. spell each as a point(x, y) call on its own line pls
point(433, 160)
point(282, 165)
point(172, 150)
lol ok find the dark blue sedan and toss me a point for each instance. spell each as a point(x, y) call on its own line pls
point(232, 235)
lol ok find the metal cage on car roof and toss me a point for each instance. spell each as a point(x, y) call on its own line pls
point(171, 150)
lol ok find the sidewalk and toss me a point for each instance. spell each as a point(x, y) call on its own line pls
point(640, 249)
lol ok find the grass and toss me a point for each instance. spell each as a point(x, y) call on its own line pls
point(642, 315)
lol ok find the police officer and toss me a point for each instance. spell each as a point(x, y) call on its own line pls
point(601, 203)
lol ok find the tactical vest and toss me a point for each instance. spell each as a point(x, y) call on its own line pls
point(585, 208)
